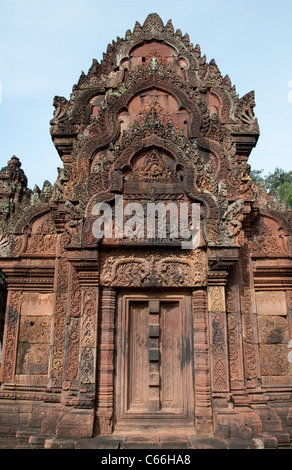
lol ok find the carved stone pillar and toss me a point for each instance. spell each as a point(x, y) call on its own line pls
point(79, 418)
point(84, 298)
point(59, 316)
point(88, 341)
point(105, 390)
point(249, 325)
point(10, 337)
point(234, 333)
point(218, 339)
point(72, 337)
point(203, 409)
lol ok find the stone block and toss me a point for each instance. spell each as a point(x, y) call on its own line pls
point(242, 425)
point(269, 418)
point(272, 329)
point(274, 359)
point(271, 303)
point(76, 424)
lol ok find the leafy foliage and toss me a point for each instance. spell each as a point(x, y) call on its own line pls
point(280, 182)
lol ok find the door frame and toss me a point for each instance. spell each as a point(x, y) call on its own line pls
point(186, 418)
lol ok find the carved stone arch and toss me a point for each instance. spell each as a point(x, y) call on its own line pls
point(108, 125)
point(218, 101)
point(155, 141)
point(284, 226)
point(144, 44)
point(30, 215)
point(212, 152)
point(95, 101)
point(177, 93)
point(166, 102)
point(35, 232)
point(271, 235)
point(209, 208)
point(106, 129)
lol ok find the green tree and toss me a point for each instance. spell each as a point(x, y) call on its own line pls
point(280, 182)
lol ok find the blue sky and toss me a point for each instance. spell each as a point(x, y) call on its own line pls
point(44, 46)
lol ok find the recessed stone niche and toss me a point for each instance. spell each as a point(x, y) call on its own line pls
point(34, 334)
point(273, 333)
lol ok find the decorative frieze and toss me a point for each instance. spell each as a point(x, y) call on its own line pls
point(183, 268)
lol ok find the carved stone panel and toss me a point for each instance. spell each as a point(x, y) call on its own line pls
point(219, 358)
point(184, 268)
point(10, 337)
point(33, 350)
point(273, 332)
point(271, 303)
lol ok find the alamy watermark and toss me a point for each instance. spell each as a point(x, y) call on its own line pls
point(163, 222)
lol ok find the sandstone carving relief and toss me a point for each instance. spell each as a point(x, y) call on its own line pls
point(147, 269)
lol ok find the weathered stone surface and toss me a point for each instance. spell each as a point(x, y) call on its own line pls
point(274, 359)
point(273, 330)
point(271, 303)
point(119, 326)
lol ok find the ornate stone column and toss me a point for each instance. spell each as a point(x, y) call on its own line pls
point(249, 325)
point(234, 332)
point(218, 339)
point(79, 421)
point(220, 262)
point(105, 387)
point(85, 276)
point(59, 315)
point(10, 337)
point(203, 408)
point(72, 336)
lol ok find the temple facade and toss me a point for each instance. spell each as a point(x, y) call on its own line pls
point(108, 325)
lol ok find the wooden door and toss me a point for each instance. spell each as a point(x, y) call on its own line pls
point(154, 360)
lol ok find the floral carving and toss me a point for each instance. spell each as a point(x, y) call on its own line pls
point(8, 362)
point(146, 269)
point(219, 351)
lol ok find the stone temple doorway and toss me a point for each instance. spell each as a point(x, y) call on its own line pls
point(154, 362)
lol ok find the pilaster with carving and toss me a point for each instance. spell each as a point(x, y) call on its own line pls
point(289, 304)
point(218, 338)
point(59, 317)
point(72, 337)
point(88, 341)
point(10, 337)
point(203, 409)
point(105, 390)
point(249, 326)
point(234, 333)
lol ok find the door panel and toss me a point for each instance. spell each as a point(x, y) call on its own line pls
point(138, 384)
point(154, 368)
point(171, 347)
